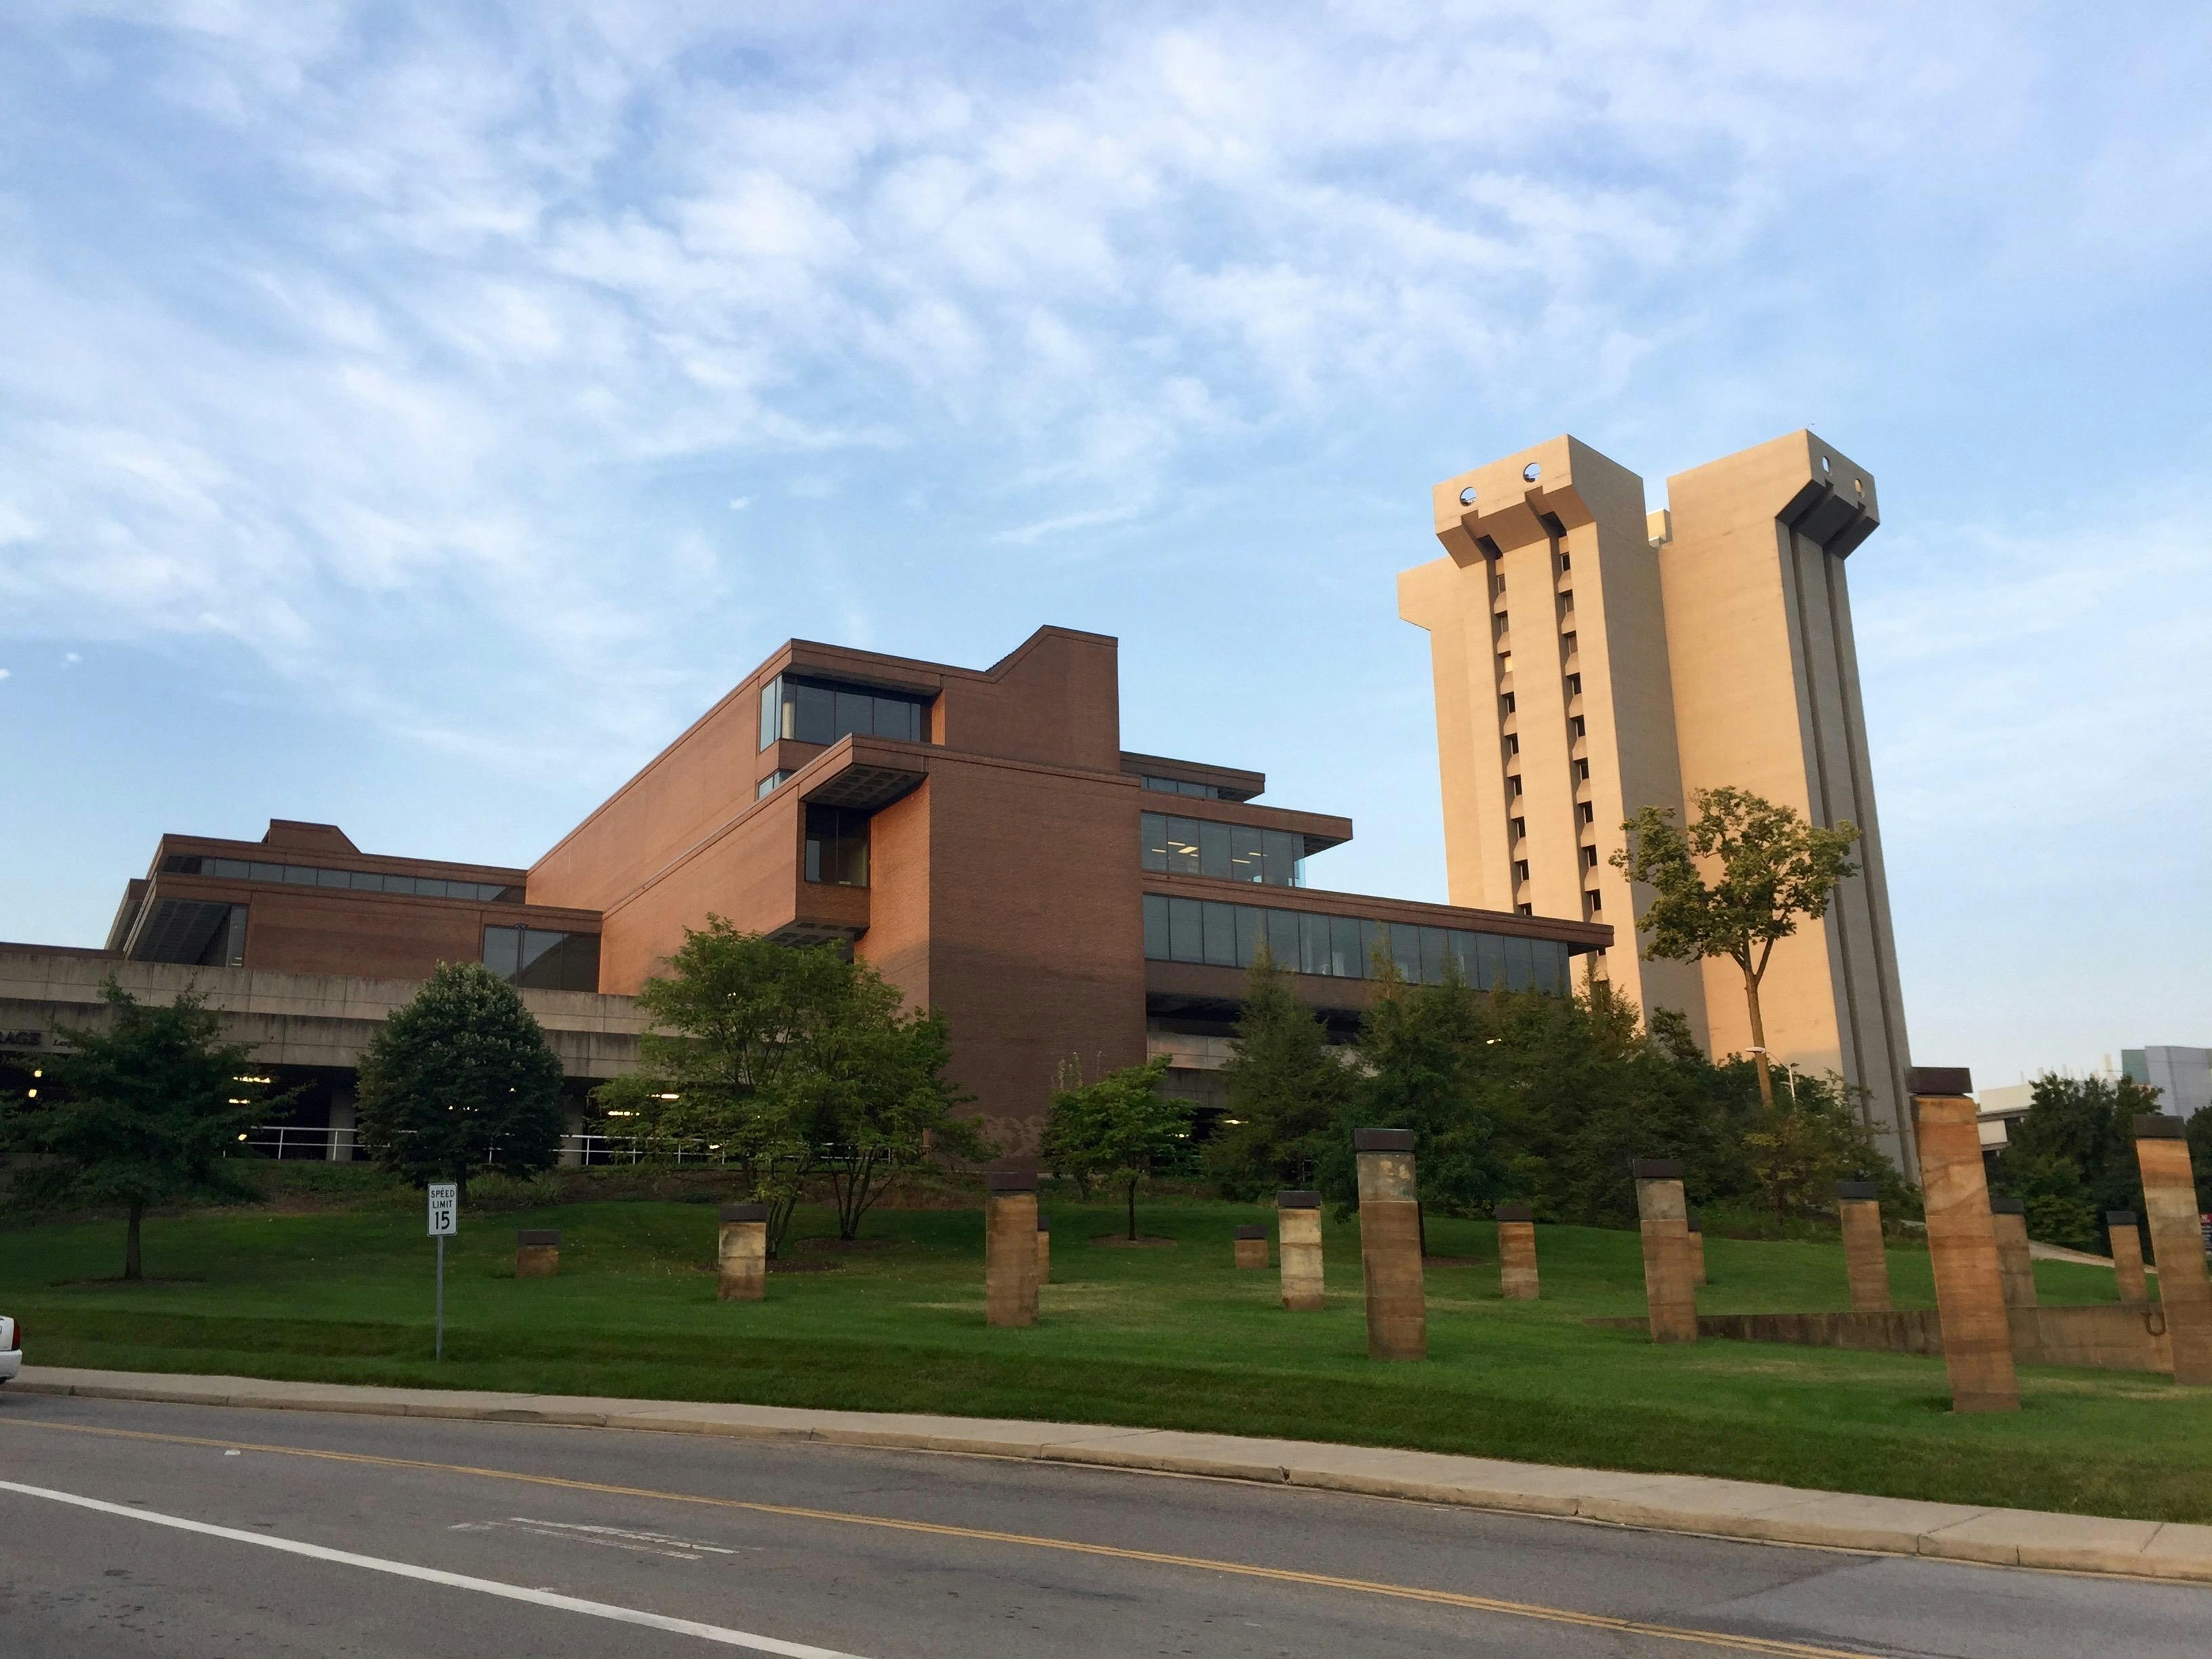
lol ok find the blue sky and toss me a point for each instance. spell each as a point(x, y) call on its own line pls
point(412, 417)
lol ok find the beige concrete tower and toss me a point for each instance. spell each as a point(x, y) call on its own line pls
point(1590, 660)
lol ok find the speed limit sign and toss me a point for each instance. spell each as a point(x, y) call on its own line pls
point(444, 1209)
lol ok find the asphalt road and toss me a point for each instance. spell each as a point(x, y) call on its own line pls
point(222, 1533)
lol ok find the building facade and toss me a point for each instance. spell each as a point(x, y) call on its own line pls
point(1591, 658)
point(2183, 1076)
point(980, 836)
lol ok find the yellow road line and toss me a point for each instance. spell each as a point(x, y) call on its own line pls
point(1720, 1639)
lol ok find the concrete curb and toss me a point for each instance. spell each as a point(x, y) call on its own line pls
point(1665, 1503)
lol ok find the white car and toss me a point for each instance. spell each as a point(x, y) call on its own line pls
point(11, 1348)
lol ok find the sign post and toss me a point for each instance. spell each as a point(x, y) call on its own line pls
point(445, 1222)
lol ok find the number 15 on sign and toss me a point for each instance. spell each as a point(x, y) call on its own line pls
point(445, 1222)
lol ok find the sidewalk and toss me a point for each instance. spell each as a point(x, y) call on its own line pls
point(1669, 1503)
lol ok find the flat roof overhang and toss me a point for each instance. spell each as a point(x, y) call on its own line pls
point(861, 775)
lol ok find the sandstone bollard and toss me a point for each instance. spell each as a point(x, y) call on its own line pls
point(1961, 1248)
point(1297, 1223)
point(2127, 1255)
point(2015, 1266)
point(1044, 1251)
point(1669, 1286)
point(741, 1257)
point(1516, 1252)
point(1251, 1247)
point(2177, 1244)
point(537, 1252)
point(1866, 1263)
point(1390, 1245)
point(1697, 1225)
point(1010, 1250)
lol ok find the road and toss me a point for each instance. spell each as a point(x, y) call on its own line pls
point(228, 1533)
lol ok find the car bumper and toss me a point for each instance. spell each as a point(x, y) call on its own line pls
point(10, 1363)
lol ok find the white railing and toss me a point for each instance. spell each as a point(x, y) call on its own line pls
point(335, 1145)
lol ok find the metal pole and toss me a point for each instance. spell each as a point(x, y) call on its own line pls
point(441, 1353)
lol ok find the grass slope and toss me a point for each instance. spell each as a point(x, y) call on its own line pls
point(1167, 1338)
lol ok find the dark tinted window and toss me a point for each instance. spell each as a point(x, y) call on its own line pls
point(1153, 827)
point(1214, 850)
point(541, 959)
point(1156, 946)
point(836, 847)
point(1247, 858)
point(1186, 930)
point(1224, 934)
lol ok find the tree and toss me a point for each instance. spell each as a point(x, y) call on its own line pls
point(459, 1074)
point(1287, 1085)
point(2072, 1157)
point(1799, 1145)
point(1116, 1130)
point(1769, 868)
point(146, 1112)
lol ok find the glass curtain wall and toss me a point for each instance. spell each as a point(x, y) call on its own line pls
point(1226, 852)
point(822, 711)
point(1345, 947)
point(540, 959)
point(837, 846)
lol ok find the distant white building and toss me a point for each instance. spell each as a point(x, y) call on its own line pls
point(2183, 1076)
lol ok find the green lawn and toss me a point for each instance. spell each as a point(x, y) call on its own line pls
point(1169, 1338)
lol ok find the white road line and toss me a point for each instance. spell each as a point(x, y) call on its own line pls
point(717, 1633)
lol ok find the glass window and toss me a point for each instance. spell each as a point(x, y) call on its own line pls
point(1165, 785)
point(1183, 846)
point(1251, 928)
point(1345, 958)
point(1519, 965)
point(1313, 944)
point(1153, 827)
point(362, 881)
point(1490, 950)
point(896, 717)
point(1432, 956)
point(298, 875)
point(771, 721)
point(811, 714)
point(1373, 935)
point(1406, 952)
point(1246, 853)
point(1155, 927)
point(768, 784)
point(836, 847)
point(1221, 935)
point(1214, 850)
point(1283, 850)
point(1186, 930)
point(501, 946)
point(1283, 938)
point(1462, 947)
point(1551, 966)
point(236, 869)
point(258, 872)
point(856, 712)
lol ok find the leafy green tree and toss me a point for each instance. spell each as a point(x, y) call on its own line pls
point(146, 1112)
point(1809, 1138)
point(1287, 1085)
point(1768, 868)
point(2072, 1157)
point(461, 1074)
point(1116, 1130)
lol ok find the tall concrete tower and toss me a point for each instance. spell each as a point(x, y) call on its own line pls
point(1589, 659)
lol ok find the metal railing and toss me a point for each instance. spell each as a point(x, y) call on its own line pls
point(344, 1145)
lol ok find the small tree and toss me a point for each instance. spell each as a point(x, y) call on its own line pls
point(1803, 1142)
point(1769, 868)
point(1421, 1047)
point(461, 1073)
point(1287, 1087)
point(1117, 1130)
point(2072, 1157)
point(143, 1113)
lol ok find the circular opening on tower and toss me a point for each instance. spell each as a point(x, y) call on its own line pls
point(1532, 472)
point(1467, 496)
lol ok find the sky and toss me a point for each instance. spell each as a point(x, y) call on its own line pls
point(412, 417)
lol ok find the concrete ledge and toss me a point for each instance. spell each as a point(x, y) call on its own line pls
point(1747, 1510)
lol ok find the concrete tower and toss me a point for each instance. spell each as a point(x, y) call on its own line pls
point(1590, 660)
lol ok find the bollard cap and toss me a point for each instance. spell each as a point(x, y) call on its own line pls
point(2119, 1218)
point(1657, 1169)
point(2007, 1206)
point(1857, 1189)
point(1044, 1224)
point(1251, 1232)
point(1512, 1212)
point(528, 1236)
point(1300, 1199)
point(744, 1213)
point(2159, 1125)
point(1382, 1140)
point(1939, 1080)
point(1695, 1222)
point(1010, 1181)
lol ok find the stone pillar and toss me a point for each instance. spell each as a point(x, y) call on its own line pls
point(2015, 1267)
point(1866, 1263)
point(1298, 1225)
point(2177, 1244)
point(1669, 1284)
point(742, 1257)
point(1516, 1252)
point(536, 1253)
point(2127, 1255)
point(1697, 1225)
point(1390, 1245)
point(1251, 1247)
point(1961, 1248)
point(1010, 1250)
point(1044, 1251)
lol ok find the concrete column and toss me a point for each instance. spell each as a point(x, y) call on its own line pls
point(572, 1147)
point(1251, 1247)
point(1669, 1283)
point(2015, 1267)
point(2127, 1255)
point(1390, 1245)
point(2177, 1243)
point(1697, 1226)
point(1866, 1263)
point(343, 1118)
point(741, 1257)
point(536, 1253)
point(1961, 1248)
point(1297, 1226)
point(1010, 1251)
point(1044, 1251)
point(1516, 1252)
